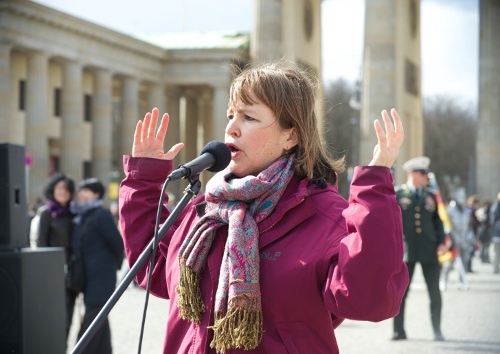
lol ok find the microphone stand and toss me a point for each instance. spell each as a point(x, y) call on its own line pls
point(190, 192)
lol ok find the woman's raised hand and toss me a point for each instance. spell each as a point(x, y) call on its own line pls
point(148, 142)
point(386, 151)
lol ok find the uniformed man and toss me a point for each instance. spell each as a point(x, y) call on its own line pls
point(423, 238)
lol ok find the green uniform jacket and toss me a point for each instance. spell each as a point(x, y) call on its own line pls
point(422, 228)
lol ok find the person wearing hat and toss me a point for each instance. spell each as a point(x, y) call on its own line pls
point(101, 245)
point(423, 235)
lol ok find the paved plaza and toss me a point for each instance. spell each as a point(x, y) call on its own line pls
point(470, 321)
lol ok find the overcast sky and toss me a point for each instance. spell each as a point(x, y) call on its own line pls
point(449, 33)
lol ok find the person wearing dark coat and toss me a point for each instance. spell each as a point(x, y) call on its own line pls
point(102, 249)
point(53, 226)
point(423, 234)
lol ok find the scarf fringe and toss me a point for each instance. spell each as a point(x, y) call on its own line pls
point(240, 327)
point(190, 303)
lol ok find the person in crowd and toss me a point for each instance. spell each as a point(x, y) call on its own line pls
point(462, 233)
point(424, 238)
point(270, 259)
point(495, 212)
point(472, 204)
point(30, 215)
point(52, 226)
point(102, 249)
point(483, 215)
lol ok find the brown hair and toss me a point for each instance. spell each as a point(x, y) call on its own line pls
point(290, 93)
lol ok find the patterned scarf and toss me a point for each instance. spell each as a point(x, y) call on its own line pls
point(240, 203)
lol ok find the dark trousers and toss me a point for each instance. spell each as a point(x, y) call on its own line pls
point(101, 341)
point(70, 307)
point(431, 275)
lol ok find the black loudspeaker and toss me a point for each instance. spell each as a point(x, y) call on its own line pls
point(13, 209)
point(32, 301)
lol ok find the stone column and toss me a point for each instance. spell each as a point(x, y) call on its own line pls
point(174, 134)
point(190, 126)
point(37, 109)
point(204, 103)
point(488, 132)
point(72, 120)
point(5, 92)
point(267, 34)
point(220, 99)
point(156, 98)
point(129, 113)
point(102, 126)
point(391, 75)
point(173, 109)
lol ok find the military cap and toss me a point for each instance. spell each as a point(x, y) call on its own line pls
point(420, 163)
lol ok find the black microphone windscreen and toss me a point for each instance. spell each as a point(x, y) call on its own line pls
point(221, 152)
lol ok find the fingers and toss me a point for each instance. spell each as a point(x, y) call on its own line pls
point(381, 137)
point(154, 120)
point(138, 133)
point(146, 130)
point(145, 126)
point(162, 129)
point(398, 124)
point(390, 138)
point(389, 127)
point(174, 150)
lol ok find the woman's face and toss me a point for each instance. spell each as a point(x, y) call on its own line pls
point(61, 193)
point(254, 137)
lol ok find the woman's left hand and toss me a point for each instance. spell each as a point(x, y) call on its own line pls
point(389, 142)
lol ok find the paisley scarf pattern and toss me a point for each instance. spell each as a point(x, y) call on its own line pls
point(240, 203)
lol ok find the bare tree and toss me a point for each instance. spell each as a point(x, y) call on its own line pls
point(339, 128)
point(450, 142)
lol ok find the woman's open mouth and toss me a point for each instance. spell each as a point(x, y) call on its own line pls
point(234, 150)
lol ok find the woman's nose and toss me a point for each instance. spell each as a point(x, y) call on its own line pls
point(232, 128)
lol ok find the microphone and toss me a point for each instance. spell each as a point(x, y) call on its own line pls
point(214, 157)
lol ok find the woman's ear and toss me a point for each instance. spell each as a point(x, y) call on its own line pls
point(292, 140)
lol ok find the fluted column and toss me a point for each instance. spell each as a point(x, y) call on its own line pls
point(156, 98)
point(102, 126)
point(174, 133)
point(36, 122)
point(72, 120)
point(5, 113)
point(219, 115)
point(204, 103)
point(190, 125)
point(173, 110)
point(129, 113)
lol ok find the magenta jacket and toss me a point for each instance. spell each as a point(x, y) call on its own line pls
point(322, 260)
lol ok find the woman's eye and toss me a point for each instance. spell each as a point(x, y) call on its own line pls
point(248, 118)
point(229, 117)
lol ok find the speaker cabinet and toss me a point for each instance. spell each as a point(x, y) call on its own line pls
point(13, 209)
point(32, 301)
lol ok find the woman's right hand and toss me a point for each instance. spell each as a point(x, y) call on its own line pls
point(148, 143)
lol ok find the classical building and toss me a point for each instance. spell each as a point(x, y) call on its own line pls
point(72, 92)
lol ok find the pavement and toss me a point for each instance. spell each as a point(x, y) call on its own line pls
point(470, 321)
